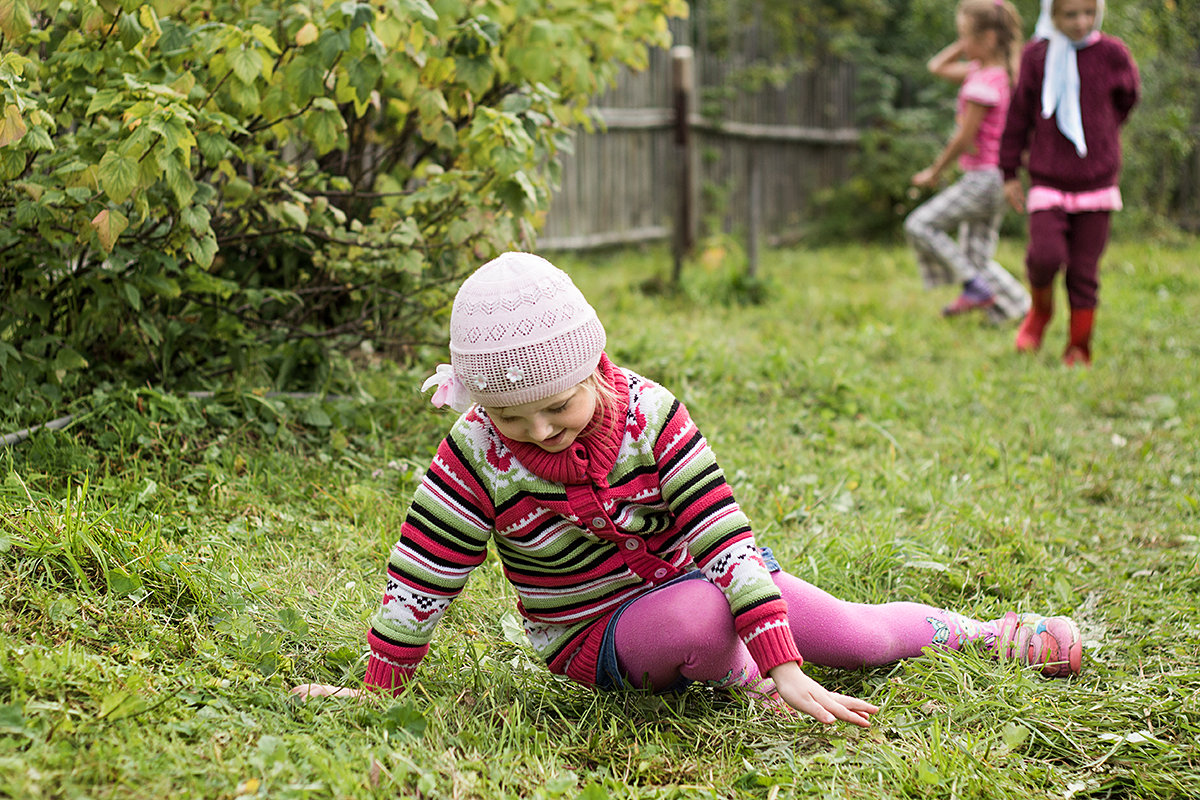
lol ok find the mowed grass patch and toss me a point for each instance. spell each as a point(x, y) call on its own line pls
point(162, 585)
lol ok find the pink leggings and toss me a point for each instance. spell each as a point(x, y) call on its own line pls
point(686, 629)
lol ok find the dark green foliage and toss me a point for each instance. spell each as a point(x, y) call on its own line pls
point(193, 188)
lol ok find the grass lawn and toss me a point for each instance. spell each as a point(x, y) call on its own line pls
point(169, 567)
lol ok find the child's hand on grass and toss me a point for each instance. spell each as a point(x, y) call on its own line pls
point(804, 694)
point(307, 690)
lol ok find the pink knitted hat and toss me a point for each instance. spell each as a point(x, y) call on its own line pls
point(520, 331)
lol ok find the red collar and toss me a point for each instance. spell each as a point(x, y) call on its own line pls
point(591, 457)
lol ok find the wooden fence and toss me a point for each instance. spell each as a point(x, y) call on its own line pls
point(750, 166)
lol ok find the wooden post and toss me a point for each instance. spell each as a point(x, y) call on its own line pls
point(754, 227)
point(683, 87)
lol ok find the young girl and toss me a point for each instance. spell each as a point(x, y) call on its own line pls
point(984, 61)
point(1076, 88)
point(632, 563)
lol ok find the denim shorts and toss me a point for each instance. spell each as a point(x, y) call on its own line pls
point(608, 672)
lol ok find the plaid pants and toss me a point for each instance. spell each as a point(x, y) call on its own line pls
point(974, 205)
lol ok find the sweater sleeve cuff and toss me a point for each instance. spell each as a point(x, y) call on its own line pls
point(1009, 173)
point(391, 666)
point(770, 643)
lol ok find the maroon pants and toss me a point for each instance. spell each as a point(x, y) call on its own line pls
point(1074, 241)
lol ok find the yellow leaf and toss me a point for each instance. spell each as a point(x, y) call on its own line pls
point(12, 127)
point(184, 83)
point(307, 34)
point(108, 226)
point(149, 21)
point(15, 21)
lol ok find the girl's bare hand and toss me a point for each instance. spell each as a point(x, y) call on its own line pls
point(925, 178)
point(1015, 195)
point(307, 690)
point(804, 694)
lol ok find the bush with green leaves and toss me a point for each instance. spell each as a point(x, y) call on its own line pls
point(202, 188)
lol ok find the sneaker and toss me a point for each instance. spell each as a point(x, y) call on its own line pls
point(966, 302)
point(1051, 643)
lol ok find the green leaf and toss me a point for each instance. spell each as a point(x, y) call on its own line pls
point(364, 75)
point(293, 622)
point(1014, 735)
point(323, 128)
point(150, 329)
point(420, 8)
point(213, 146)
point(112, 702)
point(7, 351)
point(238, 190)
point(179, 179)
point(245, 95)
point(202, 250)
point(118, 175)
point(593, 791)
point(132, 295)
point(404, 717)
point(177, 135)
point(512, 628)
point(263, 35)
point(129, 31)
point(12, 715)
point(306, 77)
point(12, 163)
point(293, 215)
point(68, 359)
point(316, 417)
point(245, 63)
point(476, 72)
point(200, 282)
point(431, 104)
point(161, 284)
point(121, 584)
point(103, 100)
point(196, 218)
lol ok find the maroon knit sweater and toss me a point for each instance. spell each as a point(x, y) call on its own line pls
point(1108, 90)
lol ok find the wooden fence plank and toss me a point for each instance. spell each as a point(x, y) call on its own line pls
point(621, 184)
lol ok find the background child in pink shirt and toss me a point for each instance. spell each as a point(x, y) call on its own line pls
point(983, 61)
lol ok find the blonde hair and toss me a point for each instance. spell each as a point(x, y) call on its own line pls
point(999, 16)
point(606, 398)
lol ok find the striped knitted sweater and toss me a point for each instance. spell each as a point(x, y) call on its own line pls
point(627, 507)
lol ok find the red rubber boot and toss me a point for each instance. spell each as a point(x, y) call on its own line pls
point(1079, 346)
point(1029, 335)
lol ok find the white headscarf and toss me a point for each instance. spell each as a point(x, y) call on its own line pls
point(1060, 84)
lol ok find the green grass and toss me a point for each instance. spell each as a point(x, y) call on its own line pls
point(169, 568)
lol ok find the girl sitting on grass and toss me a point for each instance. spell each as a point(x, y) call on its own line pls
point(632, 562)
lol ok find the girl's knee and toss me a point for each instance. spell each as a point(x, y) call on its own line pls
point(915, 228)
point(699, 611)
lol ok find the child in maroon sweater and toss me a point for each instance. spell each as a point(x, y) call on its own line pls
point(1076, 87)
